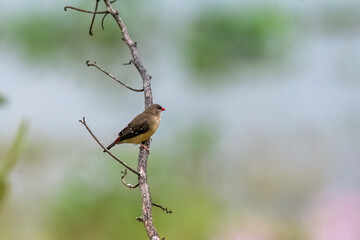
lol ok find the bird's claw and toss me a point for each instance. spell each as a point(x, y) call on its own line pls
point(144, 146)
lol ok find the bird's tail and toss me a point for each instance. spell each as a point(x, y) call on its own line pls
point(111, 145)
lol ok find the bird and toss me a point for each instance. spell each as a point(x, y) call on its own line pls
point(141, 128)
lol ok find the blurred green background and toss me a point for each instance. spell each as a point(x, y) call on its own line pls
point(260, 139)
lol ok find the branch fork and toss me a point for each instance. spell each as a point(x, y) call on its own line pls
point(112, 76)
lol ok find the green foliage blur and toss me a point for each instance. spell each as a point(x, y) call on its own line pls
point(10, 160)
point(85, 210)
point(2, 100)
point(221, 40)
point(61, 36)
point(42, 37)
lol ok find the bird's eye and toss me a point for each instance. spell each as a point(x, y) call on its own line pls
point(159, 107)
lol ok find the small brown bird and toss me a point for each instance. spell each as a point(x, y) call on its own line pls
point(141, 128)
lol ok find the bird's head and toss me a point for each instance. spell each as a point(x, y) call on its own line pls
point(155, 109)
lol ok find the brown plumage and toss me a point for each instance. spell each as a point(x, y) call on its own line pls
point(141, 128)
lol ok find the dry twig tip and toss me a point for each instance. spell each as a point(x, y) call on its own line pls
point(101, 145)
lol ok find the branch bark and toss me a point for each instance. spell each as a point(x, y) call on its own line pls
point(144, 154)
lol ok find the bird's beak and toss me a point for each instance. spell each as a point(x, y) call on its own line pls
point(162, 109)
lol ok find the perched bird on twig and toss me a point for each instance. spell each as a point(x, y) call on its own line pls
point(141, 128)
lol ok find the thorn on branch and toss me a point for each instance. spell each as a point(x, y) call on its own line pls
point(101, 145)
point(129, 63)
point(140, 219)
point(110, 75)
point(162, 208)
point(127, 184)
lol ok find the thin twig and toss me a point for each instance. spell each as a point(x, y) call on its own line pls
point(121, 162)
point(93, 18)
point(110, 75)
point(162, 208)
point(102, 20)
point(84, 11)
point(125, 183)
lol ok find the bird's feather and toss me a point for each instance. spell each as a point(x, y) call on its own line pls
point(134, 128)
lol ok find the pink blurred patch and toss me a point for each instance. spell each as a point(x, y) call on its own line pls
point(336, 216)
point(252, 229)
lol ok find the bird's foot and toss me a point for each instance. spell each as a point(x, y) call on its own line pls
point(144, 146)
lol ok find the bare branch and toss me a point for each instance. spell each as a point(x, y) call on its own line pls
point(145, 192)
point(147, 204)
point(110, 75)
point(121, 162)
point(162, 208)
point(125, 183)
point(144, 154)
point(84, 11)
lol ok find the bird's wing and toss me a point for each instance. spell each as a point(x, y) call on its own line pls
point(135, 128)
